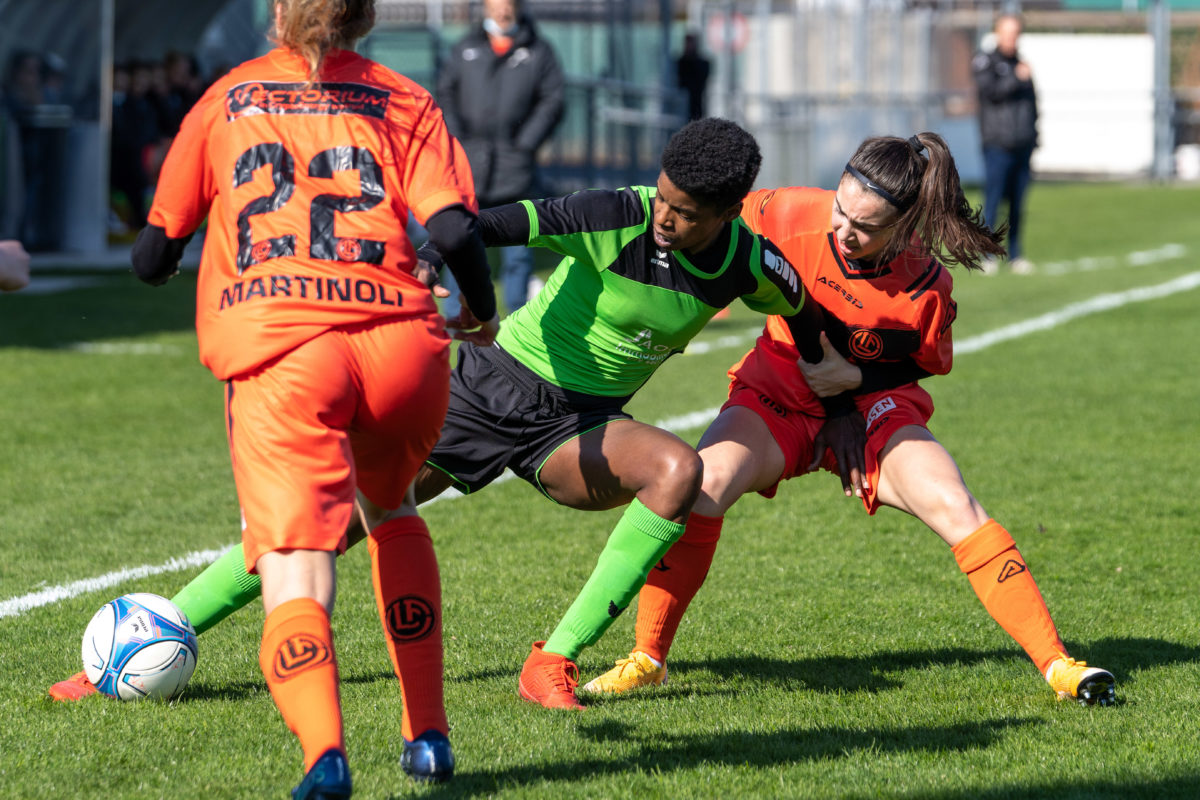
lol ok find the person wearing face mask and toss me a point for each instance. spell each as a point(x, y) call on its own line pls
point(501, 90)
point(874, 255)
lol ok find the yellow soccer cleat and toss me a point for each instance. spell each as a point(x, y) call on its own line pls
point(1077, 681)
point(629, 673)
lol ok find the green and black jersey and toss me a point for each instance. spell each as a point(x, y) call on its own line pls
point(618, 306)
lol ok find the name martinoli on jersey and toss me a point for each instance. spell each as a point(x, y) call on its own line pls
point(328, 290)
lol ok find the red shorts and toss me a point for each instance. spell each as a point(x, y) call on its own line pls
point(359, 406)
point(767, 380)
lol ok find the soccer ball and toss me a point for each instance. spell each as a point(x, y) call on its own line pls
point(139, 646)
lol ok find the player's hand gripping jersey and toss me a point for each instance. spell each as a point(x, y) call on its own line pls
point(306, 185)
point(892, 320)
point(618, 306)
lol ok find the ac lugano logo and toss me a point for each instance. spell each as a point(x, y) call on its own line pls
point(410, 618)
point(299, 653)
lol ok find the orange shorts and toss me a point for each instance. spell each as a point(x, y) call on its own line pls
point(359, 406)
point(766, 382)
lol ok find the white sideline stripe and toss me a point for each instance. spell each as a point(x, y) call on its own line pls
point(1138, 258)
point(721, 342)
point(677, 424)
point(43, 285)
point(53, 594)
point(123, 348)
point(1103, 302)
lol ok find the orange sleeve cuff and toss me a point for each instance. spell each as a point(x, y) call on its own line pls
point(436, 202)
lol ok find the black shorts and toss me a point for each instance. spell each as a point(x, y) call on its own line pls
point(503, 415)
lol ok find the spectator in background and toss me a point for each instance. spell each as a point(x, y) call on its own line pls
point(691, 70)
point(23, 88)
point(42, 122)
point(22, 96)
point(54, 79)
point(181, 89)
point(1008, 131)
point(14, 266)
point(136, 137)
point(11, 171)
point(501, 90)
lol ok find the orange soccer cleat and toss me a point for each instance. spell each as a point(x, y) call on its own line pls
point(549, 679)
point(75, 687)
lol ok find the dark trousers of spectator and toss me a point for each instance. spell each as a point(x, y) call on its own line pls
point(1006, 179)
point(516, 268)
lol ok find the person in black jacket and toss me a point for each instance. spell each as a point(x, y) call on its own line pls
point(501, 91)
point(691, 71)
point(1008, 130)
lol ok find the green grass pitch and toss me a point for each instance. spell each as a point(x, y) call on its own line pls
point(830, 655)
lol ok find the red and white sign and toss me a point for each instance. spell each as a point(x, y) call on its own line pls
point(727, 32)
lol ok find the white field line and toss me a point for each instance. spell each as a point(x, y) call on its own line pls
point(681, 423)
point(124, 348)
point(52, 285)
point(1103, 302)
point(53, 594)
point(1138, 258)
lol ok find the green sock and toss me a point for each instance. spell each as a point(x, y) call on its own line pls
point(640, 539)
point(220, 590)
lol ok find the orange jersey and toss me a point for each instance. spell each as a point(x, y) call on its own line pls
point(901, 310)
point(307, 192)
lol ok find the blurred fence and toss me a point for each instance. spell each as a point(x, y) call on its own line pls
point(810, 78)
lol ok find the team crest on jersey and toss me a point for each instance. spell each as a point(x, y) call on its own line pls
point(866, 344)
point(349, 249)
point(273, 97)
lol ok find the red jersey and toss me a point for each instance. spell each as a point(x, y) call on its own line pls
point(307, 191)
point(897, 311)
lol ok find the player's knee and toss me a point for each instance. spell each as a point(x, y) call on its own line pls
point(955, 507)
point(679, 473)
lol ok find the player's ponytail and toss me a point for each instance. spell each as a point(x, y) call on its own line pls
point(311, 28)
point(917, 175)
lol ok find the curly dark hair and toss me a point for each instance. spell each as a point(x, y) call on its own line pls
point(713, 160)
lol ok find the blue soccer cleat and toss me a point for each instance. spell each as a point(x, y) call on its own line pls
point(428, 758)
point(329, 779)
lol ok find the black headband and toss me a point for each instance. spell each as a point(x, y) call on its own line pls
point(872, 186)
point(915, 144)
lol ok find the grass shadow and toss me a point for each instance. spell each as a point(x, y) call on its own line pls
point(660, 754)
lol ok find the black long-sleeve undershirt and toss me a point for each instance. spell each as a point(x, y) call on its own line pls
point(156, 256)
point(504, 226)
point(456, 235)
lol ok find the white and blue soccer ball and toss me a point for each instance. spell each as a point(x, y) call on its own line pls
point(139, 646)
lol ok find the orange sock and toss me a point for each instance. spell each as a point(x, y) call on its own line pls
point(998, 574)
point(408, 592)
point(298, 661)
point(673, 583)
